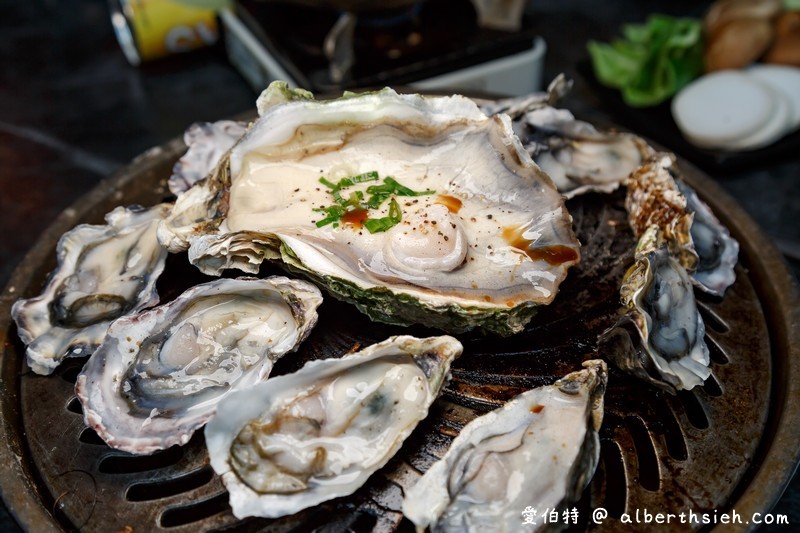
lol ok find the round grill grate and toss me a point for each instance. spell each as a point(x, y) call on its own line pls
point(695, 451)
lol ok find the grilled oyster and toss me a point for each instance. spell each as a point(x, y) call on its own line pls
point(300, 439)
point(103, 272)
point(657, 195)
point(158, 376)
point(207, 142)
point(576, 155)
point(717, 251)
point(428, 211)
point(540, 449)
point(653, 199)
point(661, 338)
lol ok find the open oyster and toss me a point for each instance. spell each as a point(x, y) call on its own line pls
point(207, 142)
point(539, 450)
point(103, 272)
point(578, 157)
point(717, 251)
point(661, 338)
point(158, 376)
point(300, 439)
point(414, 209)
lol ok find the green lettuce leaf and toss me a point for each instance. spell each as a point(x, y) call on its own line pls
point(652, 61)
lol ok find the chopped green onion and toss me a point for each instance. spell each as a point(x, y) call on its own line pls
point(355, 200)
point(376, 225)
point(366, 176)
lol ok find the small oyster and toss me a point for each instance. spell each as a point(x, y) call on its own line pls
point(717, 251)
point(158, 376)
point(654, 199)
point(464, 231)
point(661, 338)
point(304, 438)
point(539, 450)
point(207, 142)
point(578, 157)
point(103, 272)
point(657, 195)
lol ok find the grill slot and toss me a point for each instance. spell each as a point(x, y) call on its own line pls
point(90, 436)
point(711, 319)
point(712, 386)
point(616, 490)
point(716, 352)
point(194, 512)
point(694, 409)
point(74, 406)
point(127, 464)
point(648, 476)
point(673, 436)
point(155, 490)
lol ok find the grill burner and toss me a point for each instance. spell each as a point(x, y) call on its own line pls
point(333, 50)
point(698, 450)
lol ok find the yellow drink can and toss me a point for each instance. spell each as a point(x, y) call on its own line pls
point(149, 29)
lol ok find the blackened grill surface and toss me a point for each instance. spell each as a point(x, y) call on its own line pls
point(694, 451)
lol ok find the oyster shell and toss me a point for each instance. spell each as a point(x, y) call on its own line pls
point(654, 199)
point(717, 251)
point(207, 142)
point(517, 106)
point(661, 338)
point(499, 249)
point(300, 439)
point(578, 157)
point(158, 376)
point(103, 272)
point(657, 195)
point(539, 450)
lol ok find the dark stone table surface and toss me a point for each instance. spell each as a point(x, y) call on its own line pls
point(73, 111)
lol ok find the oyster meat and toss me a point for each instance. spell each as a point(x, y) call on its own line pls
point(158, 376)
point(300, 439)
point(661, 337)
point(103, 272)
point(578, 157)
point(717, 251)
point(540, 450)
point(207, 142)
point(416, 209)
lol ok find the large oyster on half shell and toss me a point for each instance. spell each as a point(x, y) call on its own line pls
point(415, 209)
point(538, 451)
point(103, 272)
point(297, 440)
point(158, 376)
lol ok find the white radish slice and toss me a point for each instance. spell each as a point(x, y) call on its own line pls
point(784, 79)
point(779, 124)
point(722, 107)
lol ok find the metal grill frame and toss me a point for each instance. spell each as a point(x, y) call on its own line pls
point(773, 463)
